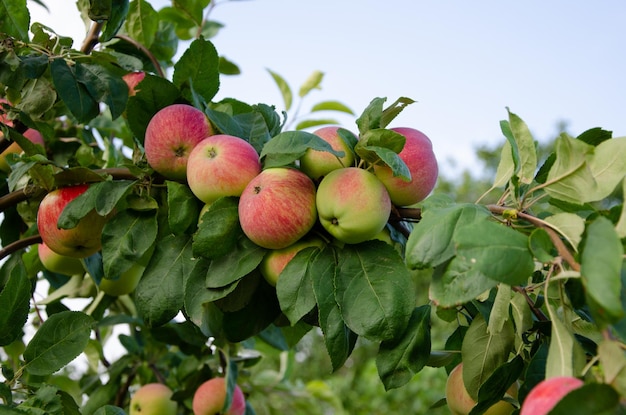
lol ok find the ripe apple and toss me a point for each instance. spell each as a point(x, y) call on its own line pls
point(33, 135)
point(79, 242)
point(210, 397)
point(319, 163)
point(132, 79)
point(275, 261)
point(461, 403)
point(171, 134)
point(153, 399)
point(57, 263)
point(221, 165)
point(353, 205)
point(547, 393)
point(277, 207)
point(419, 157)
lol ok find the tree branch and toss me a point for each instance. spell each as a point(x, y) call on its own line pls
point(19, 244)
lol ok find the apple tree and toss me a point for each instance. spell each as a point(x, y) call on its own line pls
point(107, 239)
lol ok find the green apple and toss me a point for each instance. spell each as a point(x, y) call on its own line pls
point(546, 394)
point(128, 280)
point(277, 207)
point(58, 263)
point(461, 403)
point(153, 399)
point(210, 397)
point(275, 261)
point(317, 164)
point(352, 204)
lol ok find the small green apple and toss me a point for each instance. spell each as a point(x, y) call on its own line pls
point(317, 164)
point(58, 263)
point(210, 397)
point(275, 261)
point(153, 399)
point(128, 280)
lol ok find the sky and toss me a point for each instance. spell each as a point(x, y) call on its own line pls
point(463, 62)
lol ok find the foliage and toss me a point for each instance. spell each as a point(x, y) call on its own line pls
point(527, 287)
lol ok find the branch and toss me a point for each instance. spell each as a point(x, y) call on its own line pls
point(19, 244)
point(92, 38)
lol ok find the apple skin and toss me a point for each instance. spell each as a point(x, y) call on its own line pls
point(419, 157)
point(317, 164)
point(461, 403)
point(210, 397)
point(57, 263)
point(79, 242)
point(171, 134)
point(275, 261)
point(277, 207)
point(33, 135)
point(547, 393)
point(221, 165)
point(125, 284)
point(352, 204)
point(153, 399)
point(132, 79)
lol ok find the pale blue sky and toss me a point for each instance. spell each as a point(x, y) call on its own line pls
point(463, 61)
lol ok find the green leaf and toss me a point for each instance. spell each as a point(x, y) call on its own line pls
point(431, 242)
point(104, 85)
point(15, 18)
point(371, 116)
point(107, 194)
point(182, 207)
point(591, 398)
point(198, 69)
point(304, 124)
point(119, 12)
point(457, 282)
point(380, 137)
point(160, 292)
point(541, 245)
point(496, 386)
point(620, 227)
point(14, 303)
point(72, 91)
point(526, 146)
point(219, 229)
point(506, 166)
point(331, 106)
point(312, 82)
point(562, 359)
point(393, 110)
point(608, 167)
point(569, 225)
point(399, 360)
point(499, 314)
point(39, 97)
point(289, 146)
point(483, 352)
point(109, 410)
point(294, 288)
point(374, 290)
point(600, 268)
point(99, 10)
point(59, 340)
point(126, 238)
point(142, 22)
point(240, 261)
point(284, 88)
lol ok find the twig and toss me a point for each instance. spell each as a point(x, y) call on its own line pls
point(536, 311)
point(92, 38)
point(19, 244)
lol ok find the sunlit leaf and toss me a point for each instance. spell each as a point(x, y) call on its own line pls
point(284, 88)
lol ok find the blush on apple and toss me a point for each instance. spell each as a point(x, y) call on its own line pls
point(546, 394)
point(275, 261)
point(277, 207)
point(210, 398)
point(317, 164)
point(221, 165)
point(132, 79)
point(171, 134)
point(33, 135)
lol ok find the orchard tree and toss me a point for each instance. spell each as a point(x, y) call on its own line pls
point(199, 234)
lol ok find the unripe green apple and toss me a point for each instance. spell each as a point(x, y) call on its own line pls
point(317, 164)
point(128, 280)
point(221, 165)
point(461, 403)
point(419, 157)
point(546, 394)
point(57, 263)
point(277, 207)
point(275, 261)
point(171, 134)
point(79, 242)
point(210, 397)
point(33, 135)
point(153, 399)
point(352, 204)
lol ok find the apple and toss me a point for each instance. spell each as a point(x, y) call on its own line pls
point(221, 165)
point(419, 157)
point(171, 134)
point(153, 399)
point(461, 403)
point(132, 79)
point(210, 397)
point(547, 393)
point(317, 164)
point(125, 284)
point(33, 135)
point(57, 263)
point(276, 260)
point(277, 207)
point(353, 205)
point(79, 242)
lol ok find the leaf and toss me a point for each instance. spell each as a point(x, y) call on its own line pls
point(562, 350)
point(331, 106)
point(182, 207)
point(142, 22)
point(72, 92)
point(240, 261)
point(109, 410)
point(506, 166)
point(385, 156)
point(391, 112)
point(289, 146)
point(312, 82)
point(104, 85)
point(521, 314)
point(219, 230)
point(119, 12)
point(371, 116)
point(620, 227)
point(58, 341)
point(160, 292)
point(499, 314)
point(608, 167)
point(600, 268)
point(374, 290)
point(458, 282)
point(15, 19)
point(107, 194)
point(541, 246)
point(591, 398)
point(294, 287)
point(284, 88)
point(380, 137)
point(431, 242)
point(484, 352)
point(14, 303)
point(399, 360)
point(526, 147)
point(496, 386)
point(304, 124)
point(198, 69)
point(569, 225)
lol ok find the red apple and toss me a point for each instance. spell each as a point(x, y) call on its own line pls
point(275, 261)
point(79, 242)
point(132, 79)
point(210, 397)
point(353, 205)
point(547, 393)
point(277, 207)
point(461, 403)
point(317, 164)
point(153, 399)
point(419, 157)
point(57, 263)
point(33, 135)
point(171, 134)
point(221, 165)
